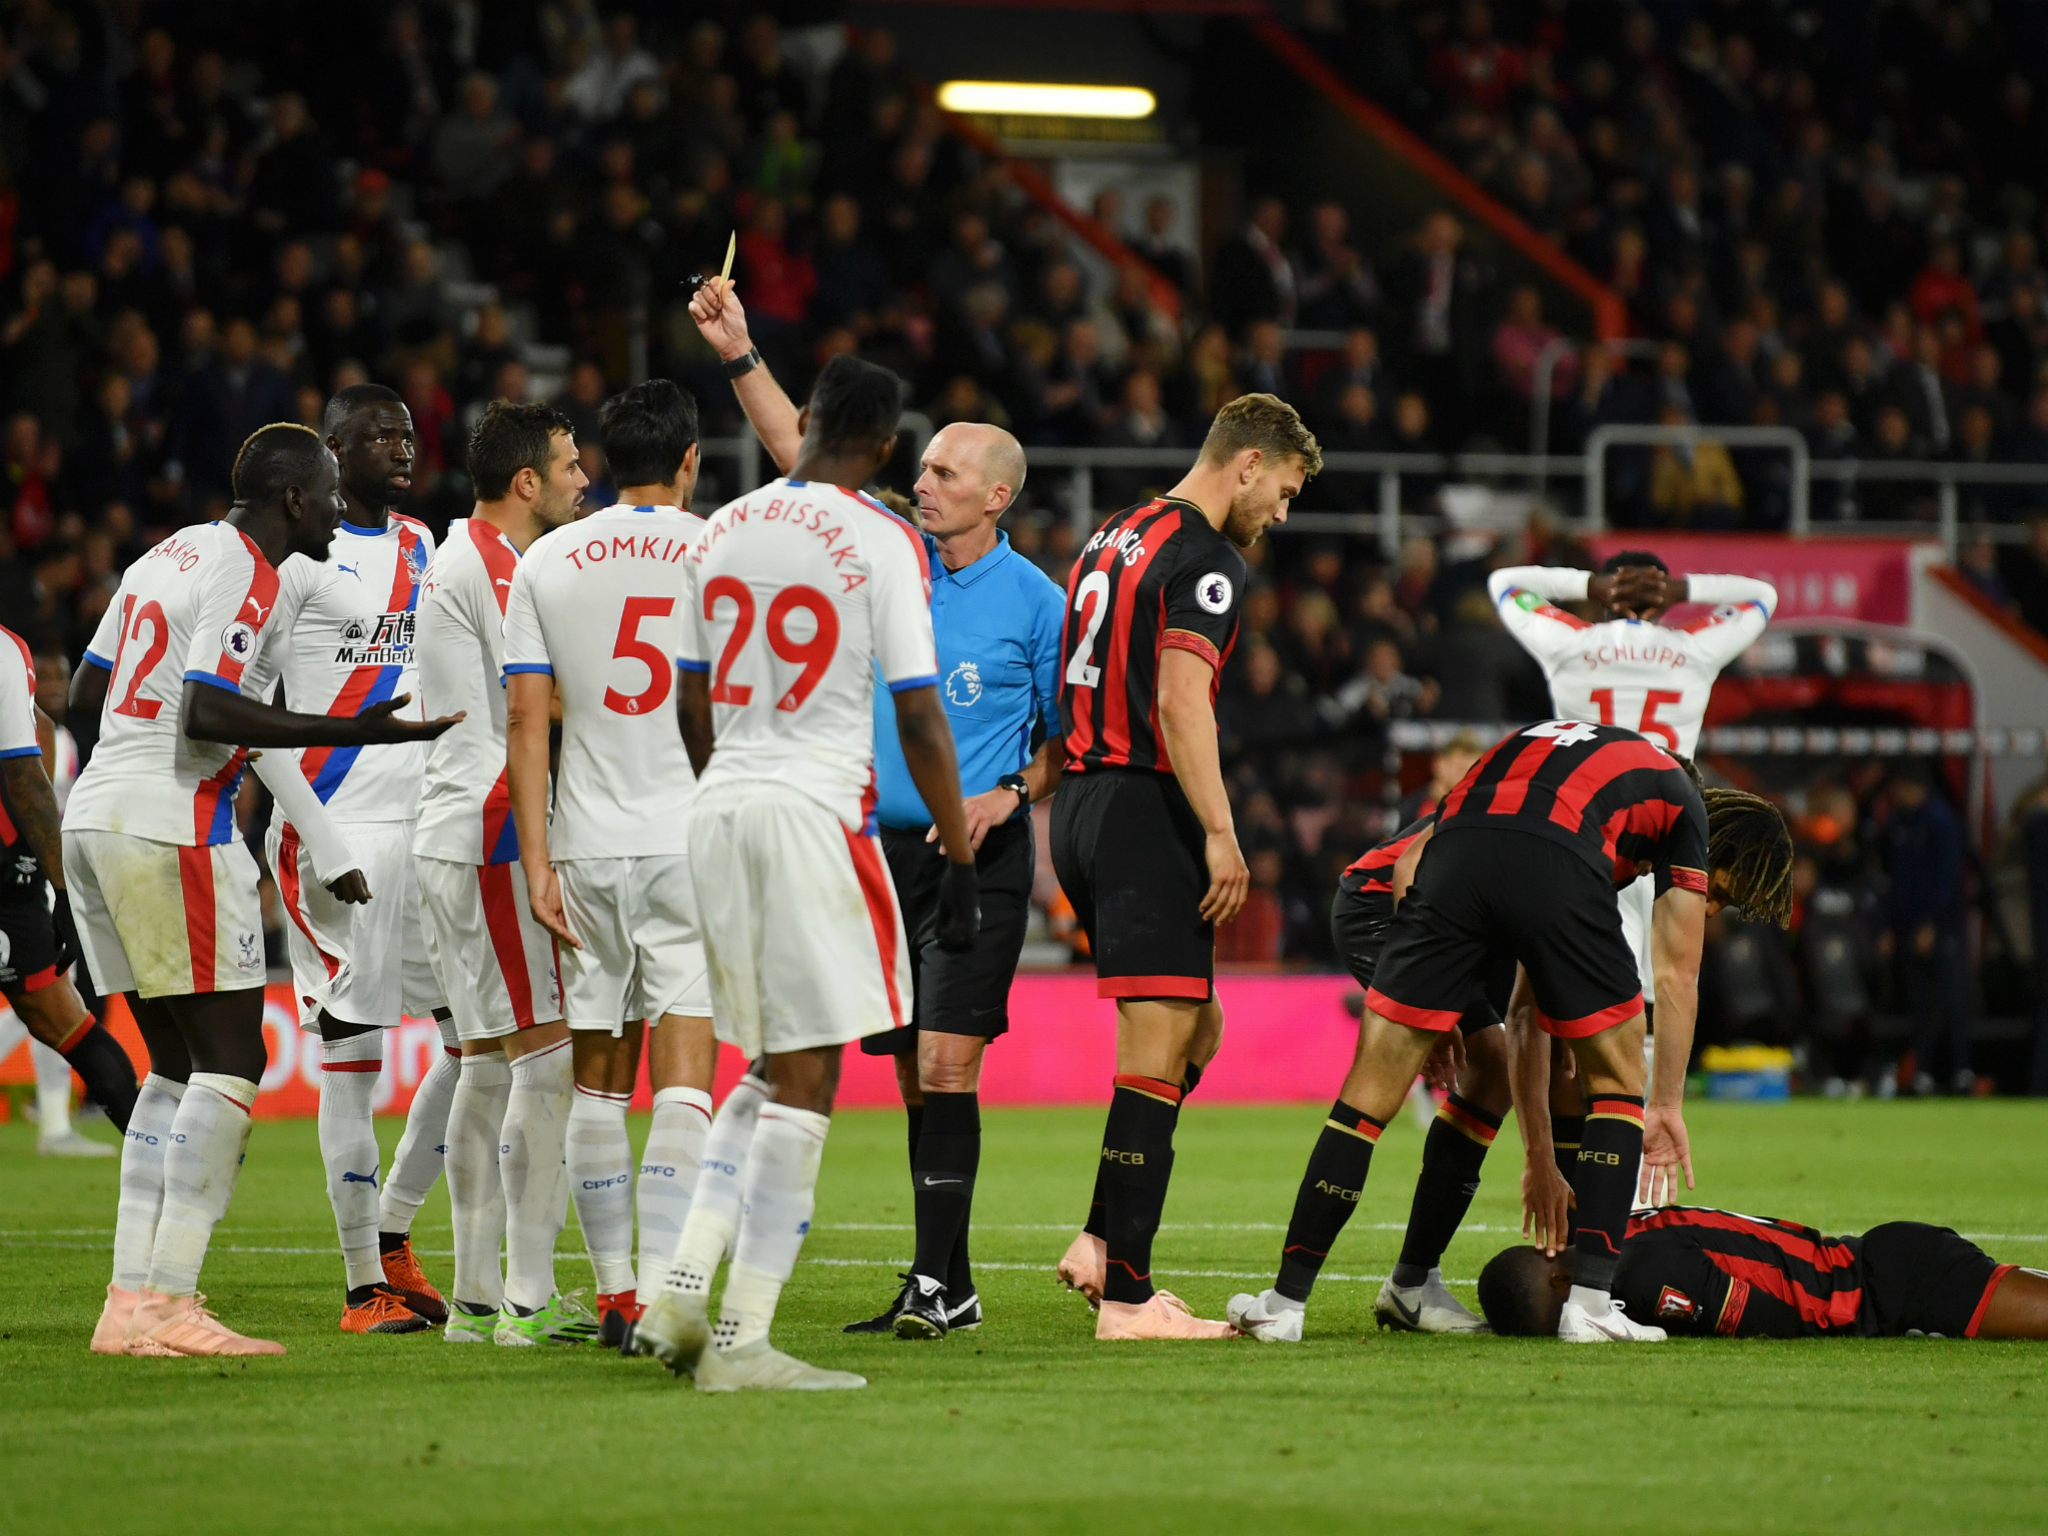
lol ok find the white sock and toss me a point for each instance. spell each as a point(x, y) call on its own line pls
point(600, 1165)
point(421, 1151)
point(714, 1219)
point(208, 1136)
point(668, 1174)
point(12, 1033)
point(1595, 1303)
point(530, 1162)
point(142, 1179)
point(781, 1193)
point(476, 1195)
point(53, 1092)
point(348, 1146)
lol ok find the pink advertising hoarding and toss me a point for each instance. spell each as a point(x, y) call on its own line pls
point(1822, 578)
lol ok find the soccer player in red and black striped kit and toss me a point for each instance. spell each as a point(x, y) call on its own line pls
point(1142, 837)
point(1527, 854)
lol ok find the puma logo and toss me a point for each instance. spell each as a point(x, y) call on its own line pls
point(350, 569)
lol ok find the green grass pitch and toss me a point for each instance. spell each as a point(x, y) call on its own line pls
point(1029, 1425)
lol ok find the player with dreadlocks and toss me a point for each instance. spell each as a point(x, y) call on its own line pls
point(1527, 855)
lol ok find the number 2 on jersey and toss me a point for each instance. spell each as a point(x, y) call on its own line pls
point(1647, 724)
point(132, 620)
point(1080, 671)
point(814, 655)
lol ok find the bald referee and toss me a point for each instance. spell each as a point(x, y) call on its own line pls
point(997, 620)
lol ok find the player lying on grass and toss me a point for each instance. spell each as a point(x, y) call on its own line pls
point(1718, 1274)
point(1526, 856)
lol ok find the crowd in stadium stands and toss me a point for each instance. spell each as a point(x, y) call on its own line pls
point(206, 224)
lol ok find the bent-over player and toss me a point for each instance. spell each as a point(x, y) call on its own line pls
point(162, 884)
point(801, 590)
point(596, 619)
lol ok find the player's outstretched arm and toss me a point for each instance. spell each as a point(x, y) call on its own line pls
point(213, 713)
point(1678, 927)
point(722, 321)
point(333, 860)
point(1188, 722)
point(928, 751)
point(529, 703)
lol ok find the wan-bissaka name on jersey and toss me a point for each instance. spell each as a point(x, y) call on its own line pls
point(1155, 577)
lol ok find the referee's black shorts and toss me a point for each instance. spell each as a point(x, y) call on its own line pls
point(1131, 856)
point(1482, 889)
point(965, 994)
point(1359, 920)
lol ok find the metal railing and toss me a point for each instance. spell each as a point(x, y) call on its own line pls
point(1389, 518)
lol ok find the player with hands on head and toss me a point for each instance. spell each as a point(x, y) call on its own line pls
point(595, 621)
point(1142, 835)
point(162, 885)
point(803, 591)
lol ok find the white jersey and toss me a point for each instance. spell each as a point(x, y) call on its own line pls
point(798, 591)
point(194, 609)
point(1653, 680)
point(599, 605)
point(344, 642)
point(465, 810)
point(17, 701)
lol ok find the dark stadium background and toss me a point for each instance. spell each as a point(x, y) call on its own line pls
point(1404, 217)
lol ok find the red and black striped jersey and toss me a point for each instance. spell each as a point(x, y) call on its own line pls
point(1688, 1269)
point(1155, 577)
point(1374, 868)
point(1602, 790)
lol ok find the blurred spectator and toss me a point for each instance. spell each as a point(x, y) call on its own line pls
point(1252, 277)
point(1924, 857)
point(1693, 485)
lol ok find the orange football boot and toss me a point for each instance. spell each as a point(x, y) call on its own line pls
point(382, 1311)
point(403, 1274)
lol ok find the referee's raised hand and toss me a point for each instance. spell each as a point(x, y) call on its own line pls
point(1230, 880)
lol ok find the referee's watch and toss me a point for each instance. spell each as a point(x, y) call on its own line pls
point(742, 365)
point(1014, 782)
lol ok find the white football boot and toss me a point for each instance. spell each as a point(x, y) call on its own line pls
point(1268, 1317)
point(1426, 1308)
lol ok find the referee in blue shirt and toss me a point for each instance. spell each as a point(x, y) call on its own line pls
point(997, 620)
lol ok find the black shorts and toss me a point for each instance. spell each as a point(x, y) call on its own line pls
point(1131, 856)
point(1923, 1279)
point(28, 939)
point(966, 994)
point(1483, 889)
point(1359, 920)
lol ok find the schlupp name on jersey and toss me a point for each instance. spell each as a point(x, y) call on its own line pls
point(1630, 653)
point(386, 642)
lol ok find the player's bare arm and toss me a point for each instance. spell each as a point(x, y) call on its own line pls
point(722, 321)
point(33, 803)
point(1407, 864)
point(928, 750)
point(693, 713)
point(1678, 926)
point(529, 705)
point(1188, 722)
point(1546, 1198)
point(211, 713)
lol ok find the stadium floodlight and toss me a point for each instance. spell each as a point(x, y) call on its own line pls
point(1025, 99)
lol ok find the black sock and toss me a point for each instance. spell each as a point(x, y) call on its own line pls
point(943, 1172)
point(1191, 1077)
point(1566, 1132)
point(357, 1295)
point(1451, 1154)
point(391, 1242)
point(1097, 1224)
point(1137, 1162)
point(915, 1114)
point(1608, 1155)
point(109, 1075)
point(1329, 1194)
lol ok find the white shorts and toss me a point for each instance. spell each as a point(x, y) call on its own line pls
point(361, 964)
point(801, 927)
point(163, 920)
point(494, 963)
point(642, 954)
point(1635, 900)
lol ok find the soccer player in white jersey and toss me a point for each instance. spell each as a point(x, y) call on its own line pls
point(596, 619)
point(163, 888)
point(495, 964)
point(1630, 671)
point(345, 639)
point(799, 592)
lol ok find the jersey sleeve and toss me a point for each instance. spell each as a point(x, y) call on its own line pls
point(1048, 631)
point(526, 647)
point(900, 607)
point(693, 644)
point(1526, 597)
point(105, 644)
point(1666, 1279)
point(296, 580)
point(235, 606)
point(17, 698)
point(1743, 606)
point(1203, 595)
point(1682, 861)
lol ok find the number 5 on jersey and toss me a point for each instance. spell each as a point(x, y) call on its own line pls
point(812, 655)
